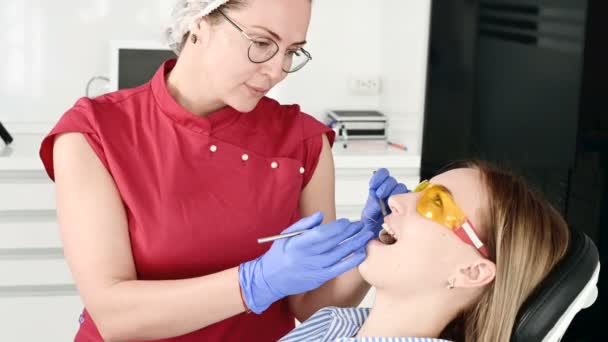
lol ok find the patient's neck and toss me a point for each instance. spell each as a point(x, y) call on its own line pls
point(416, 316)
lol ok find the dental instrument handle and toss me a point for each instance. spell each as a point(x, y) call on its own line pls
point(280, 236)
point(382, 207)
point(288, 235)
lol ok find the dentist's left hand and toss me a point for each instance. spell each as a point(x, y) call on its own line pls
point(381, 186)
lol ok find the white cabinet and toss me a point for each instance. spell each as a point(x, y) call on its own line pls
point(39, 318)
point(38, 300)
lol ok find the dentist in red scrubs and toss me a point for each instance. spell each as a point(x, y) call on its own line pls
point(163, 189)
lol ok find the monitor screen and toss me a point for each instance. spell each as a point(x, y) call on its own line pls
point(137, 66)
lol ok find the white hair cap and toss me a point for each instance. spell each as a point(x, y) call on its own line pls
point(185, 13)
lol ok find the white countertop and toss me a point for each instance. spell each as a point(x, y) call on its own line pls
point(22, 155)
point(373, 154)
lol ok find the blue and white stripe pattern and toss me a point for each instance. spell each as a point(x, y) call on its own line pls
point(334, 324)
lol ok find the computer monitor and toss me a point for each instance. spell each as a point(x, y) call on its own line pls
point(133, 63)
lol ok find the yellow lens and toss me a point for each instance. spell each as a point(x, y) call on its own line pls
point(436, 203)
point(422, 186)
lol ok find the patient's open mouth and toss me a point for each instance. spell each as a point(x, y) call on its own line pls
point(387, 236)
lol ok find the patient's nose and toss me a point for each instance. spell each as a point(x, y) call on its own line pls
point(398, 203)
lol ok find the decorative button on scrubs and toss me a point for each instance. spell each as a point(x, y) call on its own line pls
point(198, 191)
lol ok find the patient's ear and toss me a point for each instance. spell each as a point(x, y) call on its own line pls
point(476, 274)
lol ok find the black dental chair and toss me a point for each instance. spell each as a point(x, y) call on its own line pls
point(569, 288)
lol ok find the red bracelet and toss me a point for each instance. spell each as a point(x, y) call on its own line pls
point(247, 310)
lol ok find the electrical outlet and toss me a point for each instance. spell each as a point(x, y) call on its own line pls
point(365, 85)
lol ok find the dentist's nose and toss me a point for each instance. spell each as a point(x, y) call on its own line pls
point(274, 68)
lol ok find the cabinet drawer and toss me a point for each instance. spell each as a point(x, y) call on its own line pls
point(352, 186)
point(27, 196)
point(20, 233)
point(24, 272)
point(351, 191)
point(352, 213)
point(39, 318)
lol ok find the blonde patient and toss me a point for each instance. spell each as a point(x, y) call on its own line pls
point(469, 247)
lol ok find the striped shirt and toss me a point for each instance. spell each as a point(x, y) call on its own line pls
point(332, 324)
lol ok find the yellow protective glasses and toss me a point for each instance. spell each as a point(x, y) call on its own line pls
point(436, 203)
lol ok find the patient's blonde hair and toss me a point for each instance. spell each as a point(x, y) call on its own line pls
point(526, 237)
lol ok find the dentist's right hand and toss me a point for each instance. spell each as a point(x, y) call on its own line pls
point(303, 262)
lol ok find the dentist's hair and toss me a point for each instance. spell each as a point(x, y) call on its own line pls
point(526, 238)
point(187, 12)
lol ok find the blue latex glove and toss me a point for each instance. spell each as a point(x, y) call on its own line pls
point(303, 262)
point(381, 186)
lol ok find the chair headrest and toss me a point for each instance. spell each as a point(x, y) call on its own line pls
point(566, 289)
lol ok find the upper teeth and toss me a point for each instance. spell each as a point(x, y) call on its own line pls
point(389, 230)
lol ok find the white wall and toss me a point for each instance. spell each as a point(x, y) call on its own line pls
point(357, 39)
point(405, 36)
point(52, 48)
point(344, 38)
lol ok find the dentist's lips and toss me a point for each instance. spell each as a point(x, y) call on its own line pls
point(256, 91)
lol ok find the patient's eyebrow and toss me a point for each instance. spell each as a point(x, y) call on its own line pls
point(447, 190)
point(275, 35)
point(443, 186)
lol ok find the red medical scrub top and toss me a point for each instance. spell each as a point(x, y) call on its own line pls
point(198, 191)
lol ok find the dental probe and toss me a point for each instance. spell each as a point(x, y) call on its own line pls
point(287, 235)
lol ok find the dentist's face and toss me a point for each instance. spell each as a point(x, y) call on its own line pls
point(426, 252)
point(223, 52)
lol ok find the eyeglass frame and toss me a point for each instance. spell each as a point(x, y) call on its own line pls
point(252, 41)
point(466, 231)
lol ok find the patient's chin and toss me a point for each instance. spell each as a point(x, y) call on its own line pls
point(371, 267)
point(364, 271)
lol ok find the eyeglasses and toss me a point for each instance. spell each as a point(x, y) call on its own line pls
point(262, 50)
point(437, 204)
